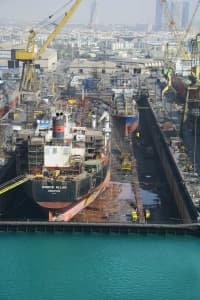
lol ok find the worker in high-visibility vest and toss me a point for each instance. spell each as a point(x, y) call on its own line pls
point(182, 148)
point(137, 134)
point(190, 167)
point(89, 115)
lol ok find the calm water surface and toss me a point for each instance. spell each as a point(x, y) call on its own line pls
point(80, 266)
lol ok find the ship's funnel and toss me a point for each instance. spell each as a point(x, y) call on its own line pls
point(58, 126)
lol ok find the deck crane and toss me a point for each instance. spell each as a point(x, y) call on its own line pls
point(29, 81)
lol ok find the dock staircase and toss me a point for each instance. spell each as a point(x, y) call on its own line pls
point(13, 183)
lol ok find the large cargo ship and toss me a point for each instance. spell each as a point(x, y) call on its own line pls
point(68, 159)
point(124, 109)
point(9, 96)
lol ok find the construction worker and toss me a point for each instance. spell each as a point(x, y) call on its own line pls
point(90, 114)
point(182, 148)
point(137, 134)
point(190, 167)
point(137, 138)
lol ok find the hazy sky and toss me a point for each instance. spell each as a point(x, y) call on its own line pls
point(109, 11)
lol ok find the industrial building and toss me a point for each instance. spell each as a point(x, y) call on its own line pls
point(48, 61)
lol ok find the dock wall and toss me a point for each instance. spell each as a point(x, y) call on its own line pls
point(179, 191)
point(112, 228)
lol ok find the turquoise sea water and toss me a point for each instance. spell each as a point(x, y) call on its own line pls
point(80, 266)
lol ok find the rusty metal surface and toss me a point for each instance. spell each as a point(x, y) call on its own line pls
point(113, 205)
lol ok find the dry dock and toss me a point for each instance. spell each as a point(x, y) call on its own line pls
point(111, 228)
point(115, 204)
point(167, 143)
point(123, 195)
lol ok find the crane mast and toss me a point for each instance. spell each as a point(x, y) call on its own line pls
point(181, 42)
point(93, 13)
point(58, 28)
point(192, 101)
point(28, 56)
point(180, 39)
point(195, 58)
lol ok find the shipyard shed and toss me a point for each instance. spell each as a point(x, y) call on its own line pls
point(5, 57)
point(86, 67)
point(48, 61)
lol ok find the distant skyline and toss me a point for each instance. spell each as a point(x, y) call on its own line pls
point(108, 11)
point(128, 12)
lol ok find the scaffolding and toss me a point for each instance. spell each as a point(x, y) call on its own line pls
point(94, 146)
point(35, 154)
point(13, 183)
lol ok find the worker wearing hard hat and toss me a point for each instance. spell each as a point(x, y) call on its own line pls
point(137, 134)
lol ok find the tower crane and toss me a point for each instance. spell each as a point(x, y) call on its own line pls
point(29, 82)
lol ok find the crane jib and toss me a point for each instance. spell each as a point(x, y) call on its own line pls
point(28, 56)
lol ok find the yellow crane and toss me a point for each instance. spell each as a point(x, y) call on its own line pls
point(179, 36)
point(28, 56)
point(169, 64)
point(171, 24)
point(181, 47)
point(192, 101)
point(195, 58)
